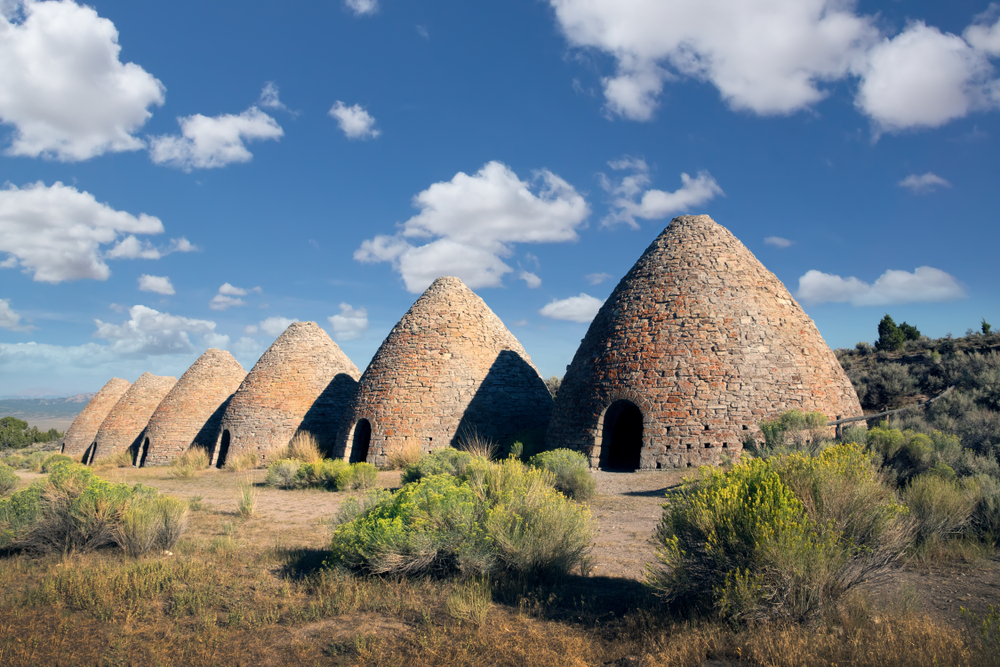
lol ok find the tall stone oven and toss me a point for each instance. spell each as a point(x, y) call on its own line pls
point(191, 413)
point(448, 370)
point(302, 383)
point(121, 429)
point(696, 345)
point(80, 435)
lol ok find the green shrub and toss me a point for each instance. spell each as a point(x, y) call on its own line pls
point(363, 475)
point(571, 470)
point(790, 430)
point(942, 507)
point(8, 479)
point(283, 473)
point(34, 461)
point(73, 510)
point(47, 464)
point(505, 518)
point(743, 545)
point(447, 461)
point(149, 522)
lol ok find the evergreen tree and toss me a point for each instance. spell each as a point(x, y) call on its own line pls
point(890, 338)
point(910, 332)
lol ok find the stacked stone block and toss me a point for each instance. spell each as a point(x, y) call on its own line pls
point(191, 413)
point(303, 382)
point(80, 435)
point(449, 368)
point(122, 428)
point(706, 342)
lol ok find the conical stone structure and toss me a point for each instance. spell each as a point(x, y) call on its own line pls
point(191, 413)
point(303, 382)
point(448, 368)
point(697, 344)
point(80, 435)
point(121, 429)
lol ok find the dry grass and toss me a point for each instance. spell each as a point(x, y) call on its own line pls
point(241, 462)
point(119, 460)
point(190, 463)
point(246, 502)
point(401, 458)
point(477, 445)
point(236, 593)
point(304, 448)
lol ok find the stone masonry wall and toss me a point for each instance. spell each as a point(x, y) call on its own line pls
point(189, 415)
point(123, 426)
point(448, 368)
point(80, 435)
point(706, 342)
point(303, 382)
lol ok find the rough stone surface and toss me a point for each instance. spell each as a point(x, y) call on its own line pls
point(303, 382)
point(80, 435)
point(706, 342)
point(448, 368)
point(124, 425)
point(191, 413)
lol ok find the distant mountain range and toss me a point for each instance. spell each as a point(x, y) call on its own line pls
point(48, 412)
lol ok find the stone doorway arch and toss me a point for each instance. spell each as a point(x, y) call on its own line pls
point(361, 438)
point(223, 449)
point(621, 436)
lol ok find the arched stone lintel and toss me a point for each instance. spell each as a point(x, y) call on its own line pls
point(347, 446)
point(594, 437)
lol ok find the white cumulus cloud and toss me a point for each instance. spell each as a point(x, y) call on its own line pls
point(924, 78)
point(354, 121)
point(208, 143)
point(471, 222)
point(924, 182)
point(781, 56)
point(597, 278)
point(150, 332)
point(766, 56)
point(62, 86)
point(778, 242)
point(924, 285)
point(269, 97)
point(350, 324)
point(9, 319)
point(228, 296)
point(56, 232)
point(631, 197)
point(275, 326)
point(574, 309)
point(158, 284)
point(362, 7)
point(530, 279)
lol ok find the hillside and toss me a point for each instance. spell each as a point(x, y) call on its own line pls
point(45, 413)
point(923, 369)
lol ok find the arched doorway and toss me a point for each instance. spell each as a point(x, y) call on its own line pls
point(360, 441)
point(223, 449)
point(88, 455)
point(621, 437)
point(140, 455)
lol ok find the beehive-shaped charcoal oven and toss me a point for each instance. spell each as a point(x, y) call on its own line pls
point(80, 435)
point(121, 429)
point(191, 413)
point(448, 370)
point(697, 344)
point(303, 382)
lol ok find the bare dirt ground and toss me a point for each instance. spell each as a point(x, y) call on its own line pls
point(626, 511)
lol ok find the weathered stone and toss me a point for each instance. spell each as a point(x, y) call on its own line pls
point(80, 435)
point(122, 428)
point(302, 383)
point(697, 344)
point(448, 369)
point(190, 414)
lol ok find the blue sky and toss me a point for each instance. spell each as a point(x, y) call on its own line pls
point(178, 176)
